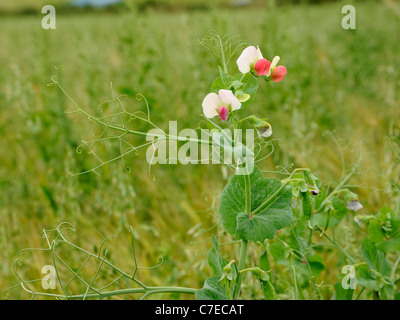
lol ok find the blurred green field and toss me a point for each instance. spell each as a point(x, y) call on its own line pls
point(343, 81)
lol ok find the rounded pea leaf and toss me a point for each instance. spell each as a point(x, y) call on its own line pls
point(277, 215)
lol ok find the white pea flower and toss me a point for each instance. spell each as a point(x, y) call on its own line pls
point(252, 59)
point(220, 104)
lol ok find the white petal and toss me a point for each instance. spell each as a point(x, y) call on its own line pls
point(354, 205)
point(273, 64)
point(228, 99)
point(210, 105)
point(258, 55)
point(246, 59)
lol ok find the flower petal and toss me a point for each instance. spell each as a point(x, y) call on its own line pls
point(223, 113)
point(278, 73)
point(274, 63)
point(265, 130)
point(354, 205)
point(258, 54)
point(262, 67)
point(228, 99)
point(247, 59)
point(210, 105)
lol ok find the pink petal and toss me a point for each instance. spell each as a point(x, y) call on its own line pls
point(262, 67)
point(223, 113)
point(278, 73)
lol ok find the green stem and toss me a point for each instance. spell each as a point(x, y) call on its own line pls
point(247, 186)
point(396, 264)
point(147, 291)
point(243, 247)
point(271, 199)
point(360, 293)
point(310, 237)
point(223, 57)
point(241, 266)
point(298, 293)
point(338, 188)
point(128, 131)
point(339, 247)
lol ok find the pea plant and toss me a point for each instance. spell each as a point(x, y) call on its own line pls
point(252, 206)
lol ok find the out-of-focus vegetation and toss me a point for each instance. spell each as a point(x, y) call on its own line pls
point(343, 81)
point(29, 6)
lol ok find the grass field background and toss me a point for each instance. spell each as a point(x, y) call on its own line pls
point(341, 81)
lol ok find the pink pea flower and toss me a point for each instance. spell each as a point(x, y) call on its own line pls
point(220, 104)
point(252, 59)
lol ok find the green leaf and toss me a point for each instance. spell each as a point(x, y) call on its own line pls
point(389, 221)
point(222, 82)
point(391, 245)
point(263, 225)
point(374, 258)
point(278, 252)
point(316, 264)
point(250, 86)
point(332, 217)
point(240, 84)
point(375, 231)
point(366, 278)
point(312, 267)
point(212, 290)
point(215, 260)
point(341, 293)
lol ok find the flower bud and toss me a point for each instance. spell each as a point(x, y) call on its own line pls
point(265, 130)
point(354, 205)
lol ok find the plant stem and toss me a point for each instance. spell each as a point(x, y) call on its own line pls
point(271, 199)
point(241, 266)
point(396, 264)
point(247, 186)
point(147, 291)
point(243, 246)
point(360, 293)
point(339, 247)
point(128, 131)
